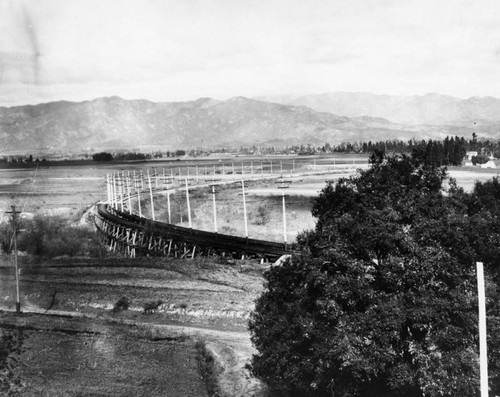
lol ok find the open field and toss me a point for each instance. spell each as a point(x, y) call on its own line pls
point(467, 176)
point(66, 189)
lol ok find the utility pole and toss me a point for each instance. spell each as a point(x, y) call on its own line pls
point(114, 200)
point(167, 187)
point(212, 185)
point(282, 186)
point(151, 196)
point(108, 187)
point(14, 238)
point(244, 207)
point(188, 205)
point(138, 190)
point(128, 193)
point(121, 183)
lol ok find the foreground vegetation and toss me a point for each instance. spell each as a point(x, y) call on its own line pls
point(382, 301)
point(50, 236)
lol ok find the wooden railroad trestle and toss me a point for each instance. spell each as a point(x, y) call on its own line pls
point(133, 236)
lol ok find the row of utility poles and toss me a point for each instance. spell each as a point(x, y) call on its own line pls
point(124, 188)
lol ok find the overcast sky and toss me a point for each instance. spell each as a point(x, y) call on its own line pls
point(166, 50)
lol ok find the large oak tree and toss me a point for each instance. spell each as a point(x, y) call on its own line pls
point(382, 301)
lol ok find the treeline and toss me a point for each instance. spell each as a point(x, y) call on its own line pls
point(131, 156)
point(450, 151)
point(21, 159)
point(445, 152)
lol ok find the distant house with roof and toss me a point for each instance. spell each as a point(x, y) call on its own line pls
point(470, 154)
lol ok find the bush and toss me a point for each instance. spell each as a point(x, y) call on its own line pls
point(6, 238)
point(152, 306)
point(11, 345)
point(51, 236)
point(121, 305)
point(262, 215)
point(102, 156)
point(208, 369)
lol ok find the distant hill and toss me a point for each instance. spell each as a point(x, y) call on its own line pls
point(115, 123)
point(433, 109)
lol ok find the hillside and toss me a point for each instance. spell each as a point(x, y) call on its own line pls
point(115, 123)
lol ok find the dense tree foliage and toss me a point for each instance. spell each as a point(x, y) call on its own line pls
point(102, 156)
point(382, 301)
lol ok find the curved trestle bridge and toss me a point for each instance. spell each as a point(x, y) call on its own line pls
point(136, 235)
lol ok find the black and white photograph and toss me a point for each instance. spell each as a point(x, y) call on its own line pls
point(250, 198)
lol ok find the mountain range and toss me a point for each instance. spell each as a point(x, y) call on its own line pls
point(114, 123)
point(433, 109)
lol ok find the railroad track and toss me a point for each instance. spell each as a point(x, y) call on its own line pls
point(136, 235)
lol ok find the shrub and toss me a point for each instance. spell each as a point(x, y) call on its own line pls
point(11, 345)
point(51, 236)
point(121, 305)
point(262, 215)
point(6, 238)
point(208, 369)
point(152, 306)
point(102, 156)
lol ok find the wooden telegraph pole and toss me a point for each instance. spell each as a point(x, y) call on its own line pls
point(188, 205)
point(168, 184)
point(283, 184)
point(244, 207)
point(151, 196)
point(14, 238)
point(212, 185)
point(120, 188)
point(127, 179)
point(137, 186)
